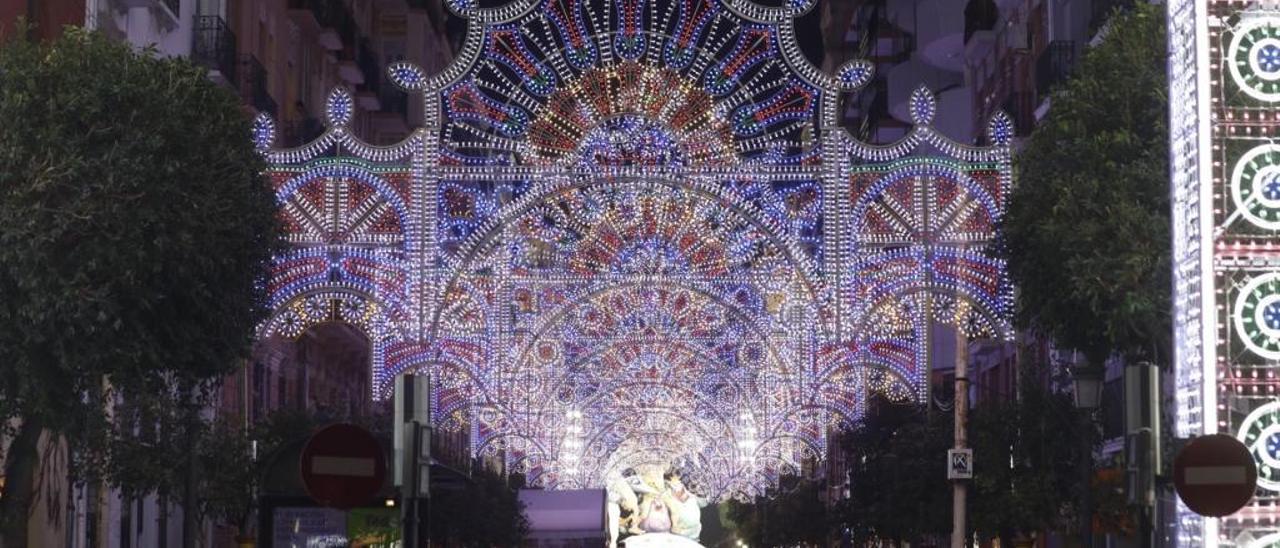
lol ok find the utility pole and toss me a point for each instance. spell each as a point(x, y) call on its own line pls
point(959, 487)
point(412, 455)
point(1142, 443)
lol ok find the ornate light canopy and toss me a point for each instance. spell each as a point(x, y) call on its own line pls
point(633, 233)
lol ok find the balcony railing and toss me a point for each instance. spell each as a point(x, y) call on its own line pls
point(368, 63)
point(394, 101)
point(1101, 10)
point(331, 14)
point(215, 46)
point(253, 85)
point(1054, 65)
point(1021, 108)
point(300, 132)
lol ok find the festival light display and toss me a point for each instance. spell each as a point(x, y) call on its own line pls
point(632, 234)
point(1224, 88)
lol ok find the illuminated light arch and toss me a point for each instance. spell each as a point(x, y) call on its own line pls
point(709, 159)
point(896, 284)
point(482, 240)
point(326, 304)
point(710, 434)
point(678, 290)
point(454, 363)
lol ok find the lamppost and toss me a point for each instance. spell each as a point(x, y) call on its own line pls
point(1087, 384)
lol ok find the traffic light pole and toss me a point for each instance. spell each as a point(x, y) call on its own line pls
point(959, 489)
point(413, 456)
point(410, 488)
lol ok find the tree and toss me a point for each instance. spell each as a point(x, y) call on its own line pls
point(1025, 468)
point(1087, 231)
point(793, 515)
point(898, 490)
point(230, 477)
point(1027, 453)
point(485, 512)
point(135, 233)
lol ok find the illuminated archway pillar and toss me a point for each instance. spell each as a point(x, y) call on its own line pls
point(1224, 90)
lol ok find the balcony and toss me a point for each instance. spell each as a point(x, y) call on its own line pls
point(1101, 11)
point(370, 77)
point(215, 48)
point(394, 101)
point(300, 132)
point(1054, 65)
point(1021, 109)
point(253, 85)
point(336, 27)
point(168, 12)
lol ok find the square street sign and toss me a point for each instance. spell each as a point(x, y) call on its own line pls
point(959, 464)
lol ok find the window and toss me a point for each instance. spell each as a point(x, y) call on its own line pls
point(281, 397)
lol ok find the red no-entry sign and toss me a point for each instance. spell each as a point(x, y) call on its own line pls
point(1215, 475)
point(342, 466)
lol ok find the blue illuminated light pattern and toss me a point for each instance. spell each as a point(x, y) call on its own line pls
point(1269, 58)
point(407, 76)
point(923, 106)
point(793, 103)
point(507, 47)
point(1260, 432)
point(339, 107)
point(755, 45)
point(633, 232)
point(1253, 58)
point(630, 141)
point(855, 74)
point(630, 40)
point(1271, 186)
point(692, 18)
point(1255, 188)
point(466, 102)
point(264, 131)
point(572, 28)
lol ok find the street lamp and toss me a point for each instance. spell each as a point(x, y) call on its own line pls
point(1087, 382)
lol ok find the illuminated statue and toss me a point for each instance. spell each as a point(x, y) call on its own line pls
point(654, 514)
point(620, 497)
point(662, 511)
point(685, 508)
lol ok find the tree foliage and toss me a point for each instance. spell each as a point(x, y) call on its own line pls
point(1027, 456)
point(229, 476)
point(796, 515)
point(898, 490)
point(135, 231)
point(234, 458)
point(1026, 475)
point(485, 512)
point(1087, 229)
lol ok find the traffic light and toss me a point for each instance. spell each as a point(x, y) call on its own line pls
point(1139, 473)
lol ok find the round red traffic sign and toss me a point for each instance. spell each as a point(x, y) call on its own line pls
point(1215, 475)
point(342, 466)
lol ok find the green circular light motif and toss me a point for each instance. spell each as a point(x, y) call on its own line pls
point(1254, 60)
point(1255, 186)
point(1260, 432)
point(1257, 316)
